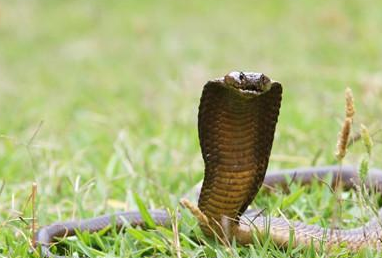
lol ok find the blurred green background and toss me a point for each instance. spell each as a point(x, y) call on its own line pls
point(100, 98)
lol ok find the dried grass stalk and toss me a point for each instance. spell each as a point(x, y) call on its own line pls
point(34, 193)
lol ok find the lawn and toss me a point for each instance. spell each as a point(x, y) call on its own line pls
point(99, 101)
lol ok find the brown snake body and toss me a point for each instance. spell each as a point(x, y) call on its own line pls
point(236, 124)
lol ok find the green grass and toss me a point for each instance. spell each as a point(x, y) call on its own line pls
point(116, 85)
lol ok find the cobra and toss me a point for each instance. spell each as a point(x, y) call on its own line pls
point(237, 118)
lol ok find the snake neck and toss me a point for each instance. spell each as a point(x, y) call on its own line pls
point(236, 134)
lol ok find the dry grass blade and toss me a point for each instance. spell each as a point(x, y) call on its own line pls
point(176, 239)
point(202, 219)
point(34, 193)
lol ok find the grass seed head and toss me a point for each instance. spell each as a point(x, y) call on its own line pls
point(367, 140)
point(350, 109)
point(343, 139)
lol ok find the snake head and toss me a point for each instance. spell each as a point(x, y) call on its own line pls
point(248, 82)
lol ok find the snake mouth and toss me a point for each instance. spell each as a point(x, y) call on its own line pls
point(256, 89)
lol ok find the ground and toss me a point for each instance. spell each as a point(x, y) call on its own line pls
point(99, 101)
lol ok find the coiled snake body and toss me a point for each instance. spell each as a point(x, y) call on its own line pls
point(236, 123)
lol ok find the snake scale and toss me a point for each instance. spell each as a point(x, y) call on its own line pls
point(236, 123)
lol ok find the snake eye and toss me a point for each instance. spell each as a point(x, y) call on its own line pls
point(264, 79)
point(241, 76)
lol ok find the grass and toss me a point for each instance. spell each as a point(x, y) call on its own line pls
point(99, 101)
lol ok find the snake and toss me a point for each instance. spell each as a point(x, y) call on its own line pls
point(237, 118)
